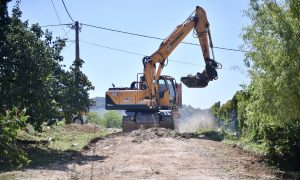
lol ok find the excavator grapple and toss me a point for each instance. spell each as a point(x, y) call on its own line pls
point(195, 81)
point(201, 79)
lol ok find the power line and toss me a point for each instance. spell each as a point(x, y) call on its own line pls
point(231, 68)
point(124, 32)
point(111, 48)
point(54, 25)
point(134, 53)
point(59, 19)
point(66, 35)
point(67, 10)
point(157, 38)
point(145, 36)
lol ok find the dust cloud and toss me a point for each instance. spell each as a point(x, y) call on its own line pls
point(200, 120)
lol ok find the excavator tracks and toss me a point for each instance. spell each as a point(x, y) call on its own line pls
point(133, 121)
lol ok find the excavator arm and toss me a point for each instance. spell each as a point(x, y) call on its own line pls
point(197, 21)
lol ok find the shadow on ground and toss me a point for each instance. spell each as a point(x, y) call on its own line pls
point(43, 157)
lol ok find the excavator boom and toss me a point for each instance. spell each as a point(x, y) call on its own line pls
point(197, 21)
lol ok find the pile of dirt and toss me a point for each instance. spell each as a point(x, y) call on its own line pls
point(141, 135)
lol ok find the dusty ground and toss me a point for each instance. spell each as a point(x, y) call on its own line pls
point(155, 154)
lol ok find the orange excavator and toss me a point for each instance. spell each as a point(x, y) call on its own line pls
point(153, 99)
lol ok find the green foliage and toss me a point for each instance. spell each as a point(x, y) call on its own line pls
point(111, 119)
point(242, 100)
point(76, 97)
point(32, 76)
point(236, 105)
point(10, 123)
point(225, 111)
point(31, 73)
point(215, 108)
point(93, 118)
point(29, 68)
point(271, 114)
point(246, 144)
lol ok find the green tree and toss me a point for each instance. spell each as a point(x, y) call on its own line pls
point(32, 78)
point(111, 119)
point(235, 106)
point(29, 67)
point(242, 101)
point(226, 111)
point(76, 95)
point(215, 108)
point(272, 39)
point(31, 73)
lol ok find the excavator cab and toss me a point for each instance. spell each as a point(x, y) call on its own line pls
point(168, 92)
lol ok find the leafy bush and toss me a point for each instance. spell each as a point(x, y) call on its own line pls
point(10, 123)
point(283, 139)
point(93, 118)
point(225, 111)
point(111, 119)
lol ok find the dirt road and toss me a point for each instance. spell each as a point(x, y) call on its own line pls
point(156, 154)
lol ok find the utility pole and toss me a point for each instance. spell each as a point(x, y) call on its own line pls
point(77, 40)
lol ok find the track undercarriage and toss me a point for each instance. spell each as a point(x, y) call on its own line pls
point(135, 120)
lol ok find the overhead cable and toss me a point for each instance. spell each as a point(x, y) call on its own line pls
point(67, 10)
point(59, 19)
point(54, 25)
point(157, 38)
point(231, 68)
point(134, 53)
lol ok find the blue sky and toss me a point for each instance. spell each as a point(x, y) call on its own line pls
point(154, 18)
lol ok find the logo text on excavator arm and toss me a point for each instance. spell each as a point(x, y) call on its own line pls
point(177, 37)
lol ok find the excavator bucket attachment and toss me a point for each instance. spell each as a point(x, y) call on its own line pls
point(196, 81)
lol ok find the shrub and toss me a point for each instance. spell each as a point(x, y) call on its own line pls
point(111, 119)
point(10, 123)
point(93, 118)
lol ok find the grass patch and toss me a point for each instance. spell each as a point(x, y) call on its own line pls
point(230, 138)
point(64, 136)
point(57, 144)
point(259, 149)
